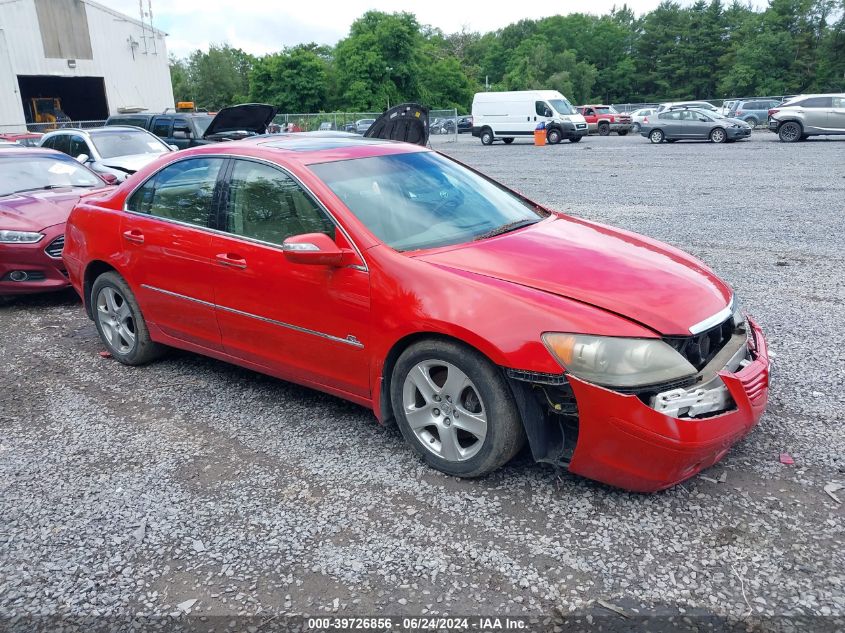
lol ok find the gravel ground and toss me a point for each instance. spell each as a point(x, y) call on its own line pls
point(191, 485)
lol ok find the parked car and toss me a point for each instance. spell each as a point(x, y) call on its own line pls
point(443, 126)
point(679, 124)
point(638, 116)
point(27, 139)
point(464, 124)
point(115, 150)
point(362, 125)
point(605, 119)
point(395, 277)
point(726, 107)
point(190, 129)
point(326, 126)
point(808, 115)
point(507, 115)
point(752, 111)
point(701, 105)
point(38, 188)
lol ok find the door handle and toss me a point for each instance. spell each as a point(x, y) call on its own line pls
point(134, 235)
point(231, 260)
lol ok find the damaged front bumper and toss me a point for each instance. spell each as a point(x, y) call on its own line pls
point(648, 443)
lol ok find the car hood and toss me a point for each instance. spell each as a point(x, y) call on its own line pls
point(407, 122)
point(36, 210)
point(641, 279)
point(247, 117)
point(130, 164)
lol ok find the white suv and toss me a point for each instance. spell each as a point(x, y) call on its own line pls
point(808, 115)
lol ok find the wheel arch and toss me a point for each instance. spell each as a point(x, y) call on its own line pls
point(384, 410)
point(93, 270)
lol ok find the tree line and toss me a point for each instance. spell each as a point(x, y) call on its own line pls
point(704, 50)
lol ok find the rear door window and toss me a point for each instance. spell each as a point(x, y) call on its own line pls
point(61, 142)
point(183, 191)
point(818, 102)
point(162, 127)
point(78, 146)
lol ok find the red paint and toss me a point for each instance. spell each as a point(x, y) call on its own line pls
point(332, 325)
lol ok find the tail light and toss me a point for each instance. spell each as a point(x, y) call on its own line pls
point(738, 112)
point(645, 119)
point(773, 111)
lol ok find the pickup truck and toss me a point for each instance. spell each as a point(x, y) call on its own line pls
point(604, 119)
point(190, 129)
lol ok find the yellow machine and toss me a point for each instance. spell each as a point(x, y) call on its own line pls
point(46, 110)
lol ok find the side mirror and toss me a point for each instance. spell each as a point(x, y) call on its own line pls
point(181, 133)
point(82, 158)
point(175, 148)
point(312, 248)
point(547, 113)
point(110, 179)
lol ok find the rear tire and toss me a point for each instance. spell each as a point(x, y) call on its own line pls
point(487, 136)
point(435, 379)
point(790, 132)
point(119, 321)
point(635, 128)
point(604, 129)
point(508, 140)
point(553, 136)
point(656, 136)
point(752, 122)
point(622, 133)
point(576, 139)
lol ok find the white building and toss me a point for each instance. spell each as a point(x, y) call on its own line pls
point(96, 60)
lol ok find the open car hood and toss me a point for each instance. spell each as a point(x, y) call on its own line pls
point(247, 117)
point(407, 122)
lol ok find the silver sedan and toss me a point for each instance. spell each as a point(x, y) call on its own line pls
point(693, 124)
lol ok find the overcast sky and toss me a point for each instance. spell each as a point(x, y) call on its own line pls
point(257, 28)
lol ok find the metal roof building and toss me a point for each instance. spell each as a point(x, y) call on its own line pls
point(92, 59)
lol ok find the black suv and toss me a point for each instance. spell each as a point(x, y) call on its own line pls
point(189, 129)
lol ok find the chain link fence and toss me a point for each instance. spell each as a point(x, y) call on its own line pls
point(443, 124)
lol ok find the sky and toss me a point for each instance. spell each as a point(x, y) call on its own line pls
point(262, 26)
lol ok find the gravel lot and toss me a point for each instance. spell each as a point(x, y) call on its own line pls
point(127, 491)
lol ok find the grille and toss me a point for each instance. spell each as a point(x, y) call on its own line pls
point(701, 348)
point(54, 248)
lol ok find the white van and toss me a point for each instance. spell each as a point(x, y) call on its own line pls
point(508, 115)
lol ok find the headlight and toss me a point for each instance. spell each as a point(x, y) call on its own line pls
point(738, 314)
point(19, 237)
point(617, 362)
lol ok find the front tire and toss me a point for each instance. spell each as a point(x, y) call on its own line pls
point(604, 129)
point(553, 136)
point(508, 140)
point(656, 136)
point(575, 139)
point(455, 409)
point(487, 136)
point(752, 122)
point(622, 133)
point(790, 132)
point(119, 321)
point(718, 135)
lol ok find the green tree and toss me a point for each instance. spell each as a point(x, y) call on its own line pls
point(295, 80)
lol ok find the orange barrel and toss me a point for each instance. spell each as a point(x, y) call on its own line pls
point(540, 137)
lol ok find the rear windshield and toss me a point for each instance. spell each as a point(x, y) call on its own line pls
point(202, 123)
point(112, 143)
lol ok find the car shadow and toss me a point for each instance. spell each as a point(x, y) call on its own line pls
point(67, 297)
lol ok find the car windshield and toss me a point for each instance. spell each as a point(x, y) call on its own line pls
point(562, 106)
point(113, 143)
point(606, 110)
point(202, 123)
point(29, 173)
point(423, 200)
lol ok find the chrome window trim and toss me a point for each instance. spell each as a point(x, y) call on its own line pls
point(714, 320)
point(349, 340)
point(365, 267)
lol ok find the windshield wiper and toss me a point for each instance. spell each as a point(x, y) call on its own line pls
point(42, 188)
point(505, 228)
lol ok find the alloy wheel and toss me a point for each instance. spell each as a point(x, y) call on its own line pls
point(444, 410)
point(116, 320)
point(718, 135)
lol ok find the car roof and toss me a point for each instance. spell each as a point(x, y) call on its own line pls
point(23, 150)
point(308, 148)
point(97, 130)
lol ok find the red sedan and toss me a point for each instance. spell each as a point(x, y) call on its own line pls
point(38, 189)
point(395, 277)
